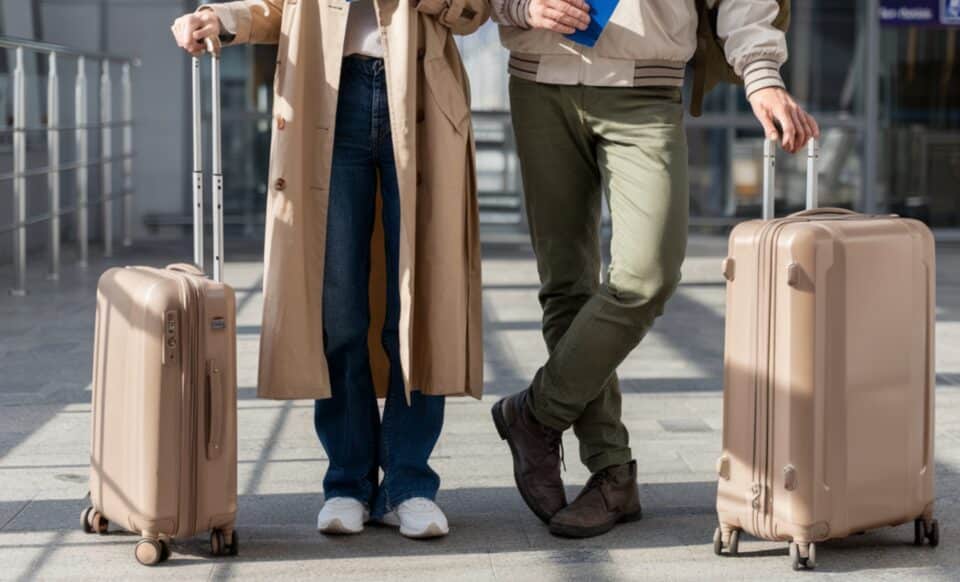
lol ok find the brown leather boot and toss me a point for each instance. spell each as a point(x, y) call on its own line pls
point(536, 455)
point(611, 496)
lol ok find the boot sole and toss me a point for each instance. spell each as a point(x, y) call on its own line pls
point(569, 531)
point(501, 423)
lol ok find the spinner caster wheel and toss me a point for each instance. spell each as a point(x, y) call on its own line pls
point(149, 552)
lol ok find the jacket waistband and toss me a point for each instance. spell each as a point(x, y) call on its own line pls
point(596, 71)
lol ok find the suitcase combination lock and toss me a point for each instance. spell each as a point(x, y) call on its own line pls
point(170, 329)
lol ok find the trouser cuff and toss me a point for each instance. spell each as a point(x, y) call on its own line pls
point(601, 461)
point(538, 410)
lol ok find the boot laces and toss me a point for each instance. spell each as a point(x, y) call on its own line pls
point(556, 442)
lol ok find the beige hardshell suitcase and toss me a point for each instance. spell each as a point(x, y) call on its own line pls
point(828, 403)
point(163, 459)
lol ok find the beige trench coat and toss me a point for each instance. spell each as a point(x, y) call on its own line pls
point(427, 88)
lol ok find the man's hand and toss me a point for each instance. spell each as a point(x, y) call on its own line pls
point(773, 106)
point(563, 16)
point(192, 29)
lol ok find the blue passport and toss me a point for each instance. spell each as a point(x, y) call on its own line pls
point(600, 13)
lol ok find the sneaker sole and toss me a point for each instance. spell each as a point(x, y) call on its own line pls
point(433, 531)
point(567, 531)
point(337, 528)
point(501, 423)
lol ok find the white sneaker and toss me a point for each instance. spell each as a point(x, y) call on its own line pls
point(342, 515)
point(418, 518)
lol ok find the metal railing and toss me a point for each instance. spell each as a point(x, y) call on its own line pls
point(81, 165)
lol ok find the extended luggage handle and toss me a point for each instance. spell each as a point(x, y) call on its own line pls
point(770, 171)
point(212, 46)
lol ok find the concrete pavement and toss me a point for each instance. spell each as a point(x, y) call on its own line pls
point(672, 405)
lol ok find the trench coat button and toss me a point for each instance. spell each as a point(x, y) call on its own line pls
point(421, 53)
point(281, 122)
point(279, 184)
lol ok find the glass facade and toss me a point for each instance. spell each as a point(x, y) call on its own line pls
point(844, 65)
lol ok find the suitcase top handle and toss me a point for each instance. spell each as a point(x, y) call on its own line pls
point(213, 47)
point(769, 175)
point(822, 211)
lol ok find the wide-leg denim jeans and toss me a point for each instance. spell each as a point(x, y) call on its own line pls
point(358, 443)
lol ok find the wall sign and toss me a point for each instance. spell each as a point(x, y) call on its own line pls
point(920, 12)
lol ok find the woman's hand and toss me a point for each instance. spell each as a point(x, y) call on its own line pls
point(192, 29)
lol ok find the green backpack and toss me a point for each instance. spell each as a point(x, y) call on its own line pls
point(710, 66)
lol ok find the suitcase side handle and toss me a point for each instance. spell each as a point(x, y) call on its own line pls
point(213, 47)
point(770, 171)
point(215, 410)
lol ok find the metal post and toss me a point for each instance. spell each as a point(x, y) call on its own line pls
point(217, 167)
point(197, 168)
point(127, 156)
point(106, 151)
point(19, 180)
point(813, 174)
point(53, 163)
point(871, 109)
point(769, 178)
point(83, 159)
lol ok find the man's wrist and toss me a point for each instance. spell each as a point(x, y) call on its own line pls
point(521, 12)
point(762, 73)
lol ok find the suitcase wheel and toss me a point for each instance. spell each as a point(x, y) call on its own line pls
point(808, 562)
point(926, 531)
point(219, 545)
point(164, 550)
point(934, 534)
point(150, 552)
point(93, 521)
point(733, 544)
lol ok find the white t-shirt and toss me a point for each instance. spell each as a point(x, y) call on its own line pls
point(363, 32)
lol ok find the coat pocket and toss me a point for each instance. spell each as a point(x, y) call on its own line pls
point(447, 93)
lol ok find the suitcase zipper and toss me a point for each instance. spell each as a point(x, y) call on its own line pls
point(764, 384)
point(191, 373)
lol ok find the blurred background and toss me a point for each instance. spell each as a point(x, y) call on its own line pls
point(881, 76)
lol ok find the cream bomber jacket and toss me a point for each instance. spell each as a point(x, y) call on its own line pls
point(646, 43)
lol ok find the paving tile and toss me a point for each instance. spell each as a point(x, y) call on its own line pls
point(672, 407)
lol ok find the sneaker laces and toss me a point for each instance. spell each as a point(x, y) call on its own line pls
point(420, 504)
point(341, 502)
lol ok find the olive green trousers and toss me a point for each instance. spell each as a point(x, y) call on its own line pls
point(577, 144)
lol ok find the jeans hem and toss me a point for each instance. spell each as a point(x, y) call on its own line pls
point(364, 499)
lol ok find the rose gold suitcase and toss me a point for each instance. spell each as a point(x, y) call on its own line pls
point(163, 460)
point(828, 377)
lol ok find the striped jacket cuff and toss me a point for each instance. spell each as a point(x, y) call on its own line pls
point(511, 12)
point(762, 73)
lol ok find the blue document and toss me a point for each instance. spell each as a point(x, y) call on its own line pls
point(600, 13)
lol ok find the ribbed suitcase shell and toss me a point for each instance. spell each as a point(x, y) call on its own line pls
point(828, 408)
point(164, 446)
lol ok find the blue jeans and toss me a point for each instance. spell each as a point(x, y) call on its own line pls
point(357, 442)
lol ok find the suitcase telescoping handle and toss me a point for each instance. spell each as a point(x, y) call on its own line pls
point(770, 171)
point(213, 49)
